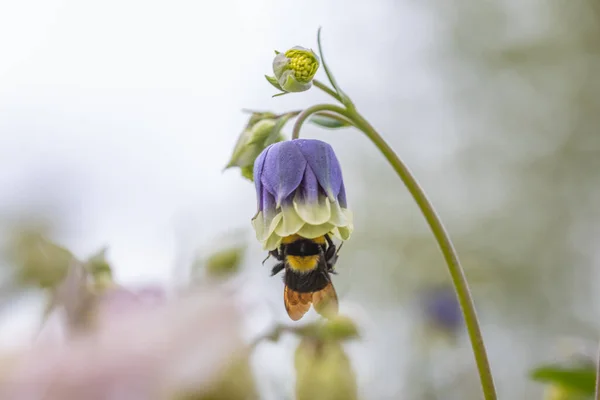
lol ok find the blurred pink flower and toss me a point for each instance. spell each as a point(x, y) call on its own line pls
point(119, 301)
point(142, 346)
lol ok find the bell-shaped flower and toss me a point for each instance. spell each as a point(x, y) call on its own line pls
point(294, 70)
point(300, 191)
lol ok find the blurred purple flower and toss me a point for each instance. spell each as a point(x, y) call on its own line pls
point(441, 308)
point(300, 190)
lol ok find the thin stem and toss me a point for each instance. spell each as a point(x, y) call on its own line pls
point(456, 272)
point(342, 96)
point(597, 397)
point(327, 90)
point(312, 110)
point(292, 114)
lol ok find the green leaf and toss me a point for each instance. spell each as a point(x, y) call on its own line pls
point(275, 135)
point(273, 81)
point(581, 378)
point(280, 94)
point(329, 122)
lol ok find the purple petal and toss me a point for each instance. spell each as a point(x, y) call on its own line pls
point(257, 172)
point(309, 188)
point(342, 196)
point(267, 205)
point(283, 170)
point(322, 160)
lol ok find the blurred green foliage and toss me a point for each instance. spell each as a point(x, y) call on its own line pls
point(224, 263)
point(575, 380)
point(37, 261)
point(235, 383)
point(323, 371)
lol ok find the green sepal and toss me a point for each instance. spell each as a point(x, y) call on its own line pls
point(328, 122)
point(273, 81)
point(248, 172)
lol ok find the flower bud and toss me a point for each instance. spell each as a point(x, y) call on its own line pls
point(261, 131)
point(294, 70)
point(236, 382)
point(339, 328)
point(225, 262)
point(324, 371)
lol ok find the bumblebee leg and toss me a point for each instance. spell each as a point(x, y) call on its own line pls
point(329, 241)
point(331, 258)
point(330, 254)
point(277, 269)
point(339, 248)
point(275, 254)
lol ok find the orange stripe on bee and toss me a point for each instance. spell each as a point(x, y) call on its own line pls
point(294, 238)
point(302, 263)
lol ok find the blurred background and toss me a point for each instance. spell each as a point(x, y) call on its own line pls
point(117, 118)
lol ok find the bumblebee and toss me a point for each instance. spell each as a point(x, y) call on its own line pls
point(307, 265)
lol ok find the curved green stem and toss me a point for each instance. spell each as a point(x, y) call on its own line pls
point(597, 396)
point(312, 110)
point(456, 272)
point(327, 90)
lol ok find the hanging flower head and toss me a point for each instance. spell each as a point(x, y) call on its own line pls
point(300, 191)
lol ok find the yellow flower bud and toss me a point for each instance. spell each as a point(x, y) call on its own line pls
point(294, 70)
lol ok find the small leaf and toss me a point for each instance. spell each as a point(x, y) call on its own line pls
point(273, 81)
point(276, 135)
point(581, 378)
point(280, 94)
point(329, 122)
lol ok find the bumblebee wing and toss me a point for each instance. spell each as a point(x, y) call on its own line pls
point(296, 304)
point(326, 301)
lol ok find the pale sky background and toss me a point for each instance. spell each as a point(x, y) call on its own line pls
point(124, 112)
point(119, 116)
